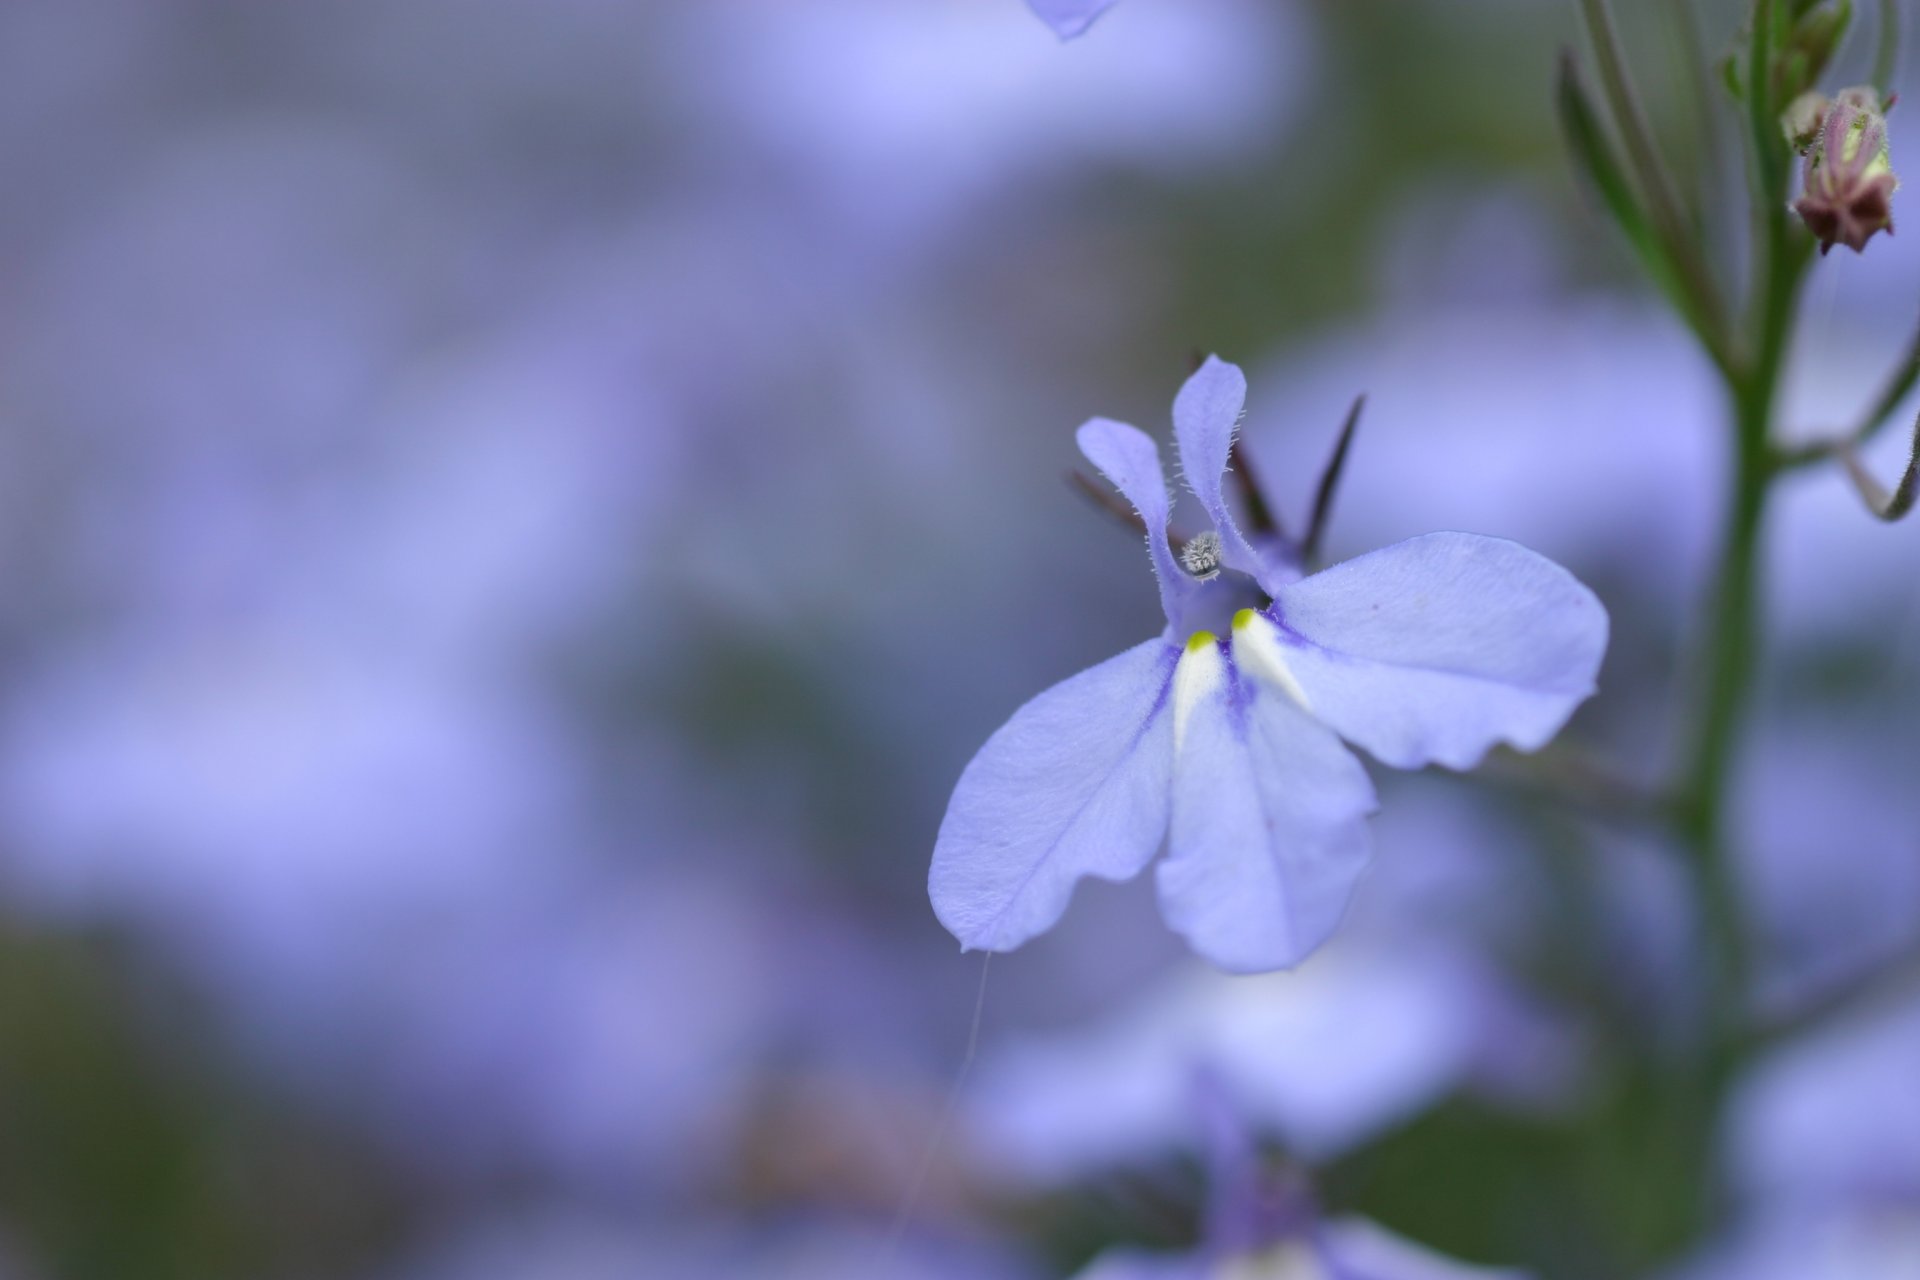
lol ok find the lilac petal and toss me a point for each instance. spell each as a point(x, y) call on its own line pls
point(1833, 1117)
point(1129, 459)
point(1269, 831)
point(1324, 1059)
point(1359, 1248)
point(1069, 18)
point(1075, 784)
point(1438, 647)
point(1136, 1264)
point(1205, 415)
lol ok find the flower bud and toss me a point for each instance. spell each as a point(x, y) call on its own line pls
point(1803, 117)
point(1848, 180)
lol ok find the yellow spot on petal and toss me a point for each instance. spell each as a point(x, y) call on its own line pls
point(1200, 640)
point(1244, 619)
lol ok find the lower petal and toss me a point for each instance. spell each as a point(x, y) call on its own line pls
point(1269, 829)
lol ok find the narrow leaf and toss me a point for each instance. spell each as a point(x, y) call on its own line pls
point(1593, 154)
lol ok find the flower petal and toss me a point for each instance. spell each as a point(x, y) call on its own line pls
point(1069, 18)
point(1075, 784)
point(1359, 1247)
point(1205, 416)
point(1269, 831)
point(1137, 1264)
point(1436, 648)
point(1129, 459)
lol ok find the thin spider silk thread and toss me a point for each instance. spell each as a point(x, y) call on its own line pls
point(911, 1200)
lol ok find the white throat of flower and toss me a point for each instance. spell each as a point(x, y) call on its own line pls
point(1198, 676)
point(1256, 647)
point(1202, 669)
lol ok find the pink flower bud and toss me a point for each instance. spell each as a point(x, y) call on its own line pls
point(1848, 180)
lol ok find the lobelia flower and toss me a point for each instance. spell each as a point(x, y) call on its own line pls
point(1429, 651)
point(1069, 18)
point(1848, 179)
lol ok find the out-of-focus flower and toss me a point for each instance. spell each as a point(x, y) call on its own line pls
point(1322, 1251)
point(1848, 179)
point(1824, 1144)
point(1069, 17)
point(1407, 1006)
point(1263, 1225)
point(1882, 1245)
point(1834, 1119)
point(1325, 1059)
point(1829, 870)
point(558, 1242)
point(1429, 651)
point(940, 132)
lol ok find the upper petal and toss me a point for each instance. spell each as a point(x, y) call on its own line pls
point(1205, 415)
point(1069, 18)
point(1075, 784)
point(1268, 833)
point(1129, 459)
point(1436, 648)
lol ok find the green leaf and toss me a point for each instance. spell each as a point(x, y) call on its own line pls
point(1594, 156)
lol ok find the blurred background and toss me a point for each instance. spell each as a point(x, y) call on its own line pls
point(513, 518)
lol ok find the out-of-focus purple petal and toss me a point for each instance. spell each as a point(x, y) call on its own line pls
point(574, 1242)
point(1324, 1058)
point(1206, 413)
point(1823, 818)
point(1128, 457)
point(1834, 1118)
point(1136, 1264)
point(1862, 1244)
point(1436, 648)
point(1348, 1249)
point(1364, 1250)
point(1069, 17)
point(1075, 784)
point(1269, 832)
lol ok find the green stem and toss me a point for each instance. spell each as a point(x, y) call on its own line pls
point(1731, 658)
point(1728, 663)
point(1728, 659)
point(1731, 653)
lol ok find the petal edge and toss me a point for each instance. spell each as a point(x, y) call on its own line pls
point(1434, 649)
point(1075, 784)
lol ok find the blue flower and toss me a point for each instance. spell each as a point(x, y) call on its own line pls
point(1069, 18)
point(1229, 749)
